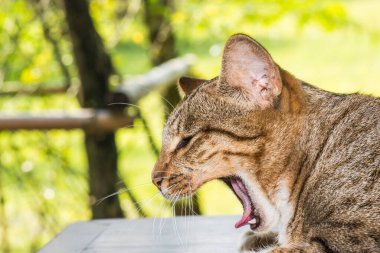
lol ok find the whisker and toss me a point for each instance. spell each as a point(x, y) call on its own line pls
point(119, 192)
point(142, 204)
point(170, 200)
point(172, 106)
point(159, 215)
point(145, 202)
point(162, 207)
point(145, 88)
point(174, 219)
point(191, 200)
point(186, 220)
point(191, 206)
point(170, 187)
point(161, 227)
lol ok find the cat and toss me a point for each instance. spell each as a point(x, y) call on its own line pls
point(304, 163)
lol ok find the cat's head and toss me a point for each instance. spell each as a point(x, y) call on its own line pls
point(224, 128)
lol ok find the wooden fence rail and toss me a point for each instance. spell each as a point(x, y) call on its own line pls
point(102, 120)
point(86, 119)
point(158, 78)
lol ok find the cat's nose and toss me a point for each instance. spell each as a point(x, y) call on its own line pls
point(157, 178)
point(157, 181)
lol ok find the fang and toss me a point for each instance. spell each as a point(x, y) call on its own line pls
point(253, 221)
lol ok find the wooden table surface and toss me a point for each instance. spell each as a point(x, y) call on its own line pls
point(203, 234)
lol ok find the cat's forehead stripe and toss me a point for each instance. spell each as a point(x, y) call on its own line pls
point(176, 121)
point(178, 124)
point(175, 116)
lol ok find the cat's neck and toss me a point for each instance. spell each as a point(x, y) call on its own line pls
point(322, 113)
point(312, 113)
point(319, 101)
point(300, 97)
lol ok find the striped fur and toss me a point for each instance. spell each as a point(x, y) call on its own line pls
point(311, 158)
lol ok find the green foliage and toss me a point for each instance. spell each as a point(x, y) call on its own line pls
point(26, 57)
point(38, 169)
point(43, 174)
point(220, 18)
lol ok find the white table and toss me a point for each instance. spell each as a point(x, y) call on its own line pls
point(198, 234)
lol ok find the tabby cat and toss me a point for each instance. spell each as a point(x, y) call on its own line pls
point(304, 163)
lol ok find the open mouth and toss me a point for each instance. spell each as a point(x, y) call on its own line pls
point(251, 215)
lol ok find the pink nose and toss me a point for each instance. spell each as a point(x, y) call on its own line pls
point(157, 178)
point(157, 181)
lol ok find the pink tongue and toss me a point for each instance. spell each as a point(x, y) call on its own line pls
point(242, 193)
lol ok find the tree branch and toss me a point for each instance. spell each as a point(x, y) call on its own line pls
point(40, 8)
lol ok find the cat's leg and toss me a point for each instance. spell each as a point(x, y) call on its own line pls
point(253, 242)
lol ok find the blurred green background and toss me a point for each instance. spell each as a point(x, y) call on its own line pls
point(334, 45)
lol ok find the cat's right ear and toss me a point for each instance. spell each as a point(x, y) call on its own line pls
point(188, 84)
point(249, 72)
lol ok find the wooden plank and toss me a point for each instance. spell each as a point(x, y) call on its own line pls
point(129, 92)
point(134, 88)
point(200, 234)
point(35, 90)
point(74, 238)
point(159, 77)
point(87, 119)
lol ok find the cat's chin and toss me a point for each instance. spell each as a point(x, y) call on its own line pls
point(251, 215)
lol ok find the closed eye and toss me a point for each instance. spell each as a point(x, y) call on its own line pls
point(183, 143)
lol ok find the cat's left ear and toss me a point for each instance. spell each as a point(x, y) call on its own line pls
point(249, 72)
point(188, 84)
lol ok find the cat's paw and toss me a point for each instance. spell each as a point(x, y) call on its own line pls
point(252, 242)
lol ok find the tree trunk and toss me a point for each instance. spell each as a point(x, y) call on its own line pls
point(162, 48)
point(162, 41)
point(161, 36)
point(94, 67)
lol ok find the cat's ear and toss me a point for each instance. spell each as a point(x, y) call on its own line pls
point(188, 84)
point(249, 72)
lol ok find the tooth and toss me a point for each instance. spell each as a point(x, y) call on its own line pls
point(253, 221)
